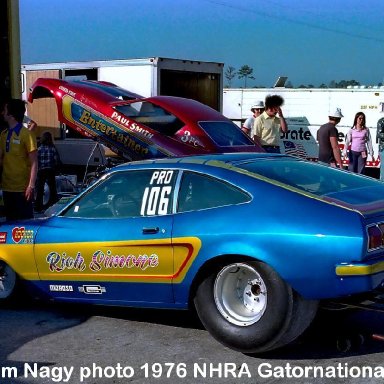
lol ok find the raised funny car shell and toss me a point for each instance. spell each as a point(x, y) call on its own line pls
point(252, 241)
point(141, 128)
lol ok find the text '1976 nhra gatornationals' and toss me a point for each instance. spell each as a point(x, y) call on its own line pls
point(254, 242)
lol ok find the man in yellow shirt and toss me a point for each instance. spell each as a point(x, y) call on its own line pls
point(18, 158)
point(267, 126)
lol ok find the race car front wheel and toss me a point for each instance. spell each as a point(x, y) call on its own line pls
point(8, 281)
point(248, 307)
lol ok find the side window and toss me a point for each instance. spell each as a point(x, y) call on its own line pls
point(200, 192)
point(152, 116)
point(127, 194)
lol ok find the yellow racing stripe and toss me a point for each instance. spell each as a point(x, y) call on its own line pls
point(359, 269)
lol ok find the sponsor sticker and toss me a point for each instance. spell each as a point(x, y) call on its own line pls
point(60, 288)
point(3, 237)
point(20, 235)
point(92, 289)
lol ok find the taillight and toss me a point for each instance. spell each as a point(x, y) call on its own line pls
point(375, 237)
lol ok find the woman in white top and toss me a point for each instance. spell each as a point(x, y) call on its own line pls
point(359, 138)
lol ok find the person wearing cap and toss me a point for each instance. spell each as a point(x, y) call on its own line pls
point(327, 137)
point(267, 127)
point(257, 109)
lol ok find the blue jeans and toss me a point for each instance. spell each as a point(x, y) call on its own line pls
point(45, 175)
point(356, 162)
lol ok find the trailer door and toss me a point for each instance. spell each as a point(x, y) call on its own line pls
point(203, 87)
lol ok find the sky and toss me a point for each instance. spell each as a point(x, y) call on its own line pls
point(310, 41)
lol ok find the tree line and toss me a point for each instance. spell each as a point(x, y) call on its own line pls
point(246, 73)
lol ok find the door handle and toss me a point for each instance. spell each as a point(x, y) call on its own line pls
point(149, 231)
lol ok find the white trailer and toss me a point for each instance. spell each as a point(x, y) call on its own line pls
point(153, 76)
point(307, 109)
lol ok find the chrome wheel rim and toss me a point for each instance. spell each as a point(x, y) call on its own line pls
point(240, 294)
point(7, 280)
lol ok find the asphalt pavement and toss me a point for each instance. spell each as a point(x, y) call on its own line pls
point(48, 343)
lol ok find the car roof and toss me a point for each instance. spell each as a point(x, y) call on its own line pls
point(210, 159)
point(187, 109)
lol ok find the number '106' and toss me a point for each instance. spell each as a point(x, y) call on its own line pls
point(155, 201)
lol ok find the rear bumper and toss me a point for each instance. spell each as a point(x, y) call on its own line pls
point(360, 277)
point(360, 269)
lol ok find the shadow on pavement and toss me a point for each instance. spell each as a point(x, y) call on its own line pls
point(28, 320)
point(32, 320)
point(335, 334)
point(326, 338)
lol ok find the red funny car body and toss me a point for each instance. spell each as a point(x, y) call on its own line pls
point(141, 128)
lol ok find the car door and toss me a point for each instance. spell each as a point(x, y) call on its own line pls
point(114, 243)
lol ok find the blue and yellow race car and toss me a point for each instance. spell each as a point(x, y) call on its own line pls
point(253, 242)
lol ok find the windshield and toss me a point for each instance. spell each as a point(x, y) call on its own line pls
point(225, 133)
point(310, 177)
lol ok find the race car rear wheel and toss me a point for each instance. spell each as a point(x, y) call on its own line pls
point(8, 281)
point(240, 294)
point(248, 307)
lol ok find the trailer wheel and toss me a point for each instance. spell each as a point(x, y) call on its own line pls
point(248, 307)
point(46, 196)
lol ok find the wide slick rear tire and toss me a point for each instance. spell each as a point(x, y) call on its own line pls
point(248, 307)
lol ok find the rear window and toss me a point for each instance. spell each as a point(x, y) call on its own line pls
point(225, 133)
point(199, 191)
point(309, 177)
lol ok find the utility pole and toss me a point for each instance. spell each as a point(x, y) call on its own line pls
point(10, 76)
